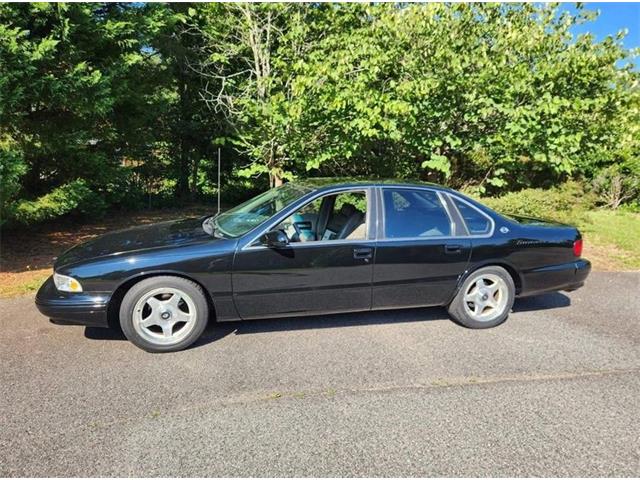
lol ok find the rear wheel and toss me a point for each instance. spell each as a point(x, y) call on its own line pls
point(164, 314)
point(485, 298)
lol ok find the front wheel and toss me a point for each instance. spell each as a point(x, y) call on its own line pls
point(485, 298)
point(164, 314)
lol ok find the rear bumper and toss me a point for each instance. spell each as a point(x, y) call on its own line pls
point(86, 308)
point(567, 276)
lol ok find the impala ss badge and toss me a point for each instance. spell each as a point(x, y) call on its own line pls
point(504, 230)
point(529, 242)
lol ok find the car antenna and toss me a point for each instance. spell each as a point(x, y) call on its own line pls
point(218, 181)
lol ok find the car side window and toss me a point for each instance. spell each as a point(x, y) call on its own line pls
point(414, 213)
point(340, 216)
point(477, 223)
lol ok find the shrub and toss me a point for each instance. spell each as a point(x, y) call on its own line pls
point(566, 203)
point(12, 167)
point(618, 184)
point(74, 197)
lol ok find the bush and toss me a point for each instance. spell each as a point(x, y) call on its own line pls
point(12, 167)
point(566, 203)
point(74, 197)
point(618, 184)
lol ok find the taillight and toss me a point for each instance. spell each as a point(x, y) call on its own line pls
point(577, 248)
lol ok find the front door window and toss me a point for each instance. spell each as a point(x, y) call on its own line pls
point(341, 216)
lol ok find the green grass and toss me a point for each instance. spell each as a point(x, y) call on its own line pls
point(21, 284)
point(617, 229)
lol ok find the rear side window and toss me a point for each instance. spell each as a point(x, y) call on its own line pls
point(414, 213)
point(477, 223)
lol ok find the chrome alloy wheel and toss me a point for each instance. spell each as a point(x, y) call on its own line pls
point(164, 316)
point(486, 297)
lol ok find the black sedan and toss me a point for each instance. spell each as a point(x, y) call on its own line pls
point(310, 248)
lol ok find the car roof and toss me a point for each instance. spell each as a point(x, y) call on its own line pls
point(326, 183)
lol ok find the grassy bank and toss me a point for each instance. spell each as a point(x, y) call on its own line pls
point(611, 239)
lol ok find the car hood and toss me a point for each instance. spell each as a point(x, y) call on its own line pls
point(158, 235)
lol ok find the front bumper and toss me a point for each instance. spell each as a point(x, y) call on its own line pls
point(85, 308)
point(567, 276)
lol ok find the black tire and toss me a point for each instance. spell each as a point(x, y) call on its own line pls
point(141, 290)
point(461, 314)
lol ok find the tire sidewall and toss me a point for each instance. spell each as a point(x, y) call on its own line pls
point(144, 286)
point(458, 312)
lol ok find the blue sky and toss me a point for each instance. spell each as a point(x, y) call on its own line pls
point(613, 17)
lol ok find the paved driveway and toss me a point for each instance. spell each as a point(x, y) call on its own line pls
point(554, 391)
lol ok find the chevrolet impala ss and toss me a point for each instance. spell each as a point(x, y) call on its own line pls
point(310, 248)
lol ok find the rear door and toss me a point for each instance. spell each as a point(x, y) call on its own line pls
point(422, 250)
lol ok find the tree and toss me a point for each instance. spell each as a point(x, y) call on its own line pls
point(252, 50)
point(115, 103)
point(497, 96)
point(71, 74)
point(191, 130)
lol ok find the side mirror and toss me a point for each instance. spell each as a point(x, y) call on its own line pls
point(275, 239)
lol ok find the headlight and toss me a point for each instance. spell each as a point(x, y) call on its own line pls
point(66, 284)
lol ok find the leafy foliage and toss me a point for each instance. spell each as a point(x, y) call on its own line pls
point(566, 203)
point(618, 183)
point(497, 96)
point(73, 196)
point(12, 168)
point(134, 100)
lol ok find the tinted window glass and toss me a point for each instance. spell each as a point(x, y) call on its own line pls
point(414, 213)
point(477, 224)
point(345, 219)
point(239, 220)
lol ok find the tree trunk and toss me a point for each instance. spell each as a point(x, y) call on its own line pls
point(275, 180)
point(182, 184)
point(194, 178)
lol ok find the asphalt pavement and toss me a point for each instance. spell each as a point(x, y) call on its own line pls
point(555, 391)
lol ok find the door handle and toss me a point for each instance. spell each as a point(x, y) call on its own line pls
point(452, 248)
point(365, 253)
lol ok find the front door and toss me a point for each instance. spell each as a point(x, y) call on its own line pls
point(327, 266)
point(423, 250)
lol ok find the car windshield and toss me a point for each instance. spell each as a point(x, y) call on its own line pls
point(248, 215)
